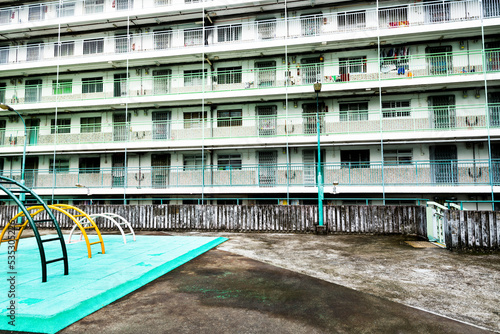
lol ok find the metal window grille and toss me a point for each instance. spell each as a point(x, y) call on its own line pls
point(442, 111)
point(312, 70)
point(33, 90)
point(311, 24)
point(309, 118)
point(162, 39)
point(353, 65)
point(392, 109)
point(491, 8)
point(118, 171)
point(92, 46)
point(266, 29)
point(437, 12)
point(494, 109)
point(161, 81)
point(160, 168)
point(193, 77)
point(194, 120)
point(124, 4)
point(266, 73)
point(162, 2)
point(193, 37)
point(121, 44)
point(34, 52)
point(268, 168)
point(228, 33)
point(398, 157)
point(36, 12)
point(121, 127)
point(161, 124)
point(267, 120)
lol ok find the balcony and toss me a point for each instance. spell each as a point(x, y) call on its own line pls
point(154, 86)
point(175, 130)
point(240, 36)
point(414, 173)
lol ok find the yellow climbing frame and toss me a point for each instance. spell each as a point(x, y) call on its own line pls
point(63, 208)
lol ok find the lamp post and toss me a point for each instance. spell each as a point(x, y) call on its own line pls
point(3, 106)
point(317, 89)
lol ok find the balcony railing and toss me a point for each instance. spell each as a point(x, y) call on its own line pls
point(232, 34)
point(472, 118)
point(413, 173)
point(160, 83)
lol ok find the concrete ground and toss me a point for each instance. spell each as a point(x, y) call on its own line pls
point(298, 283)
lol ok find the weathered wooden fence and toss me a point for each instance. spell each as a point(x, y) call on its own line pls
point(472, 229)
point(256, 218)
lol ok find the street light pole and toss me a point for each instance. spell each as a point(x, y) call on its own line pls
point(317, 89)
point(3, 106)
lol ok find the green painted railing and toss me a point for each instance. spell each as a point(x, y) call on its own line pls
point(416, 173)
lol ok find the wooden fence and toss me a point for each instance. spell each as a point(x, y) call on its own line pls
point(472, 229)
point(255, 218)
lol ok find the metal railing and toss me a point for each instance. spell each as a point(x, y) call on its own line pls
point(472, 117)
point(414, 66)
point(268, 30)
point(415, 173)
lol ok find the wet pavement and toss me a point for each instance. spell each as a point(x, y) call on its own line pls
point(300, 283)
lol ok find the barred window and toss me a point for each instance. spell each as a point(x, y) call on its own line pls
point(90, 124)
point(193, 120)
point(229, 75)
point(229, 33)
point(398, 157)
point(353, 111)
point(353, 65)
point(65, 49)
point(193, 161)
point(63, 125)
point(194, 77)
point(92, 85)
point(60, 166)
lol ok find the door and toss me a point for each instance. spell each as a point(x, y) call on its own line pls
point(495, 163)
point(268, 168)
point(118, 170)
point(3, 88)
point(442, 111)
point(121, 127)
point(310, 160)
point(311, 24)
point(2, 131)
point(33, 90)
point(160, 164)
point(120, 84)
point(267, 119)
point(312, 70)
point(31, 172)
point(493, 55)
point(444, 163)
point(161, 81)
point(32, 128)
point(161, 124)
point(4, 54)
point(309, 118)
point(34, 51)
point(162, 39)
point(266, 73)
point(439, 60)
point(494, 109)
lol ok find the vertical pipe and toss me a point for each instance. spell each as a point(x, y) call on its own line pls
point(320, 176)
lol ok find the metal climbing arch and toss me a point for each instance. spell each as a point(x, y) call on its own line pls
point(11, 188)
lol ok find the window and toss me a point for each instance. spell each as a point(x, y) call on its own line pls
point(352, 19)
point(161, 81)
point(34, 51)
point(229, 75)
point(92, 85)
point(228, 33)
point(5, 15)
point(33, 91)
point(266, 29)
point(391, 109)
point(2, 133)
point(4, 54)
point(353, 65)
point(89, 165)
point(65, 49)
point(62, 87)
point(309, 117)
point(63, 126)
point(65, 9)
point(311, 24)
point(60, 166)
point(193, 161)
point(439, 59)
point(194, 77)
point(90, 124)
point(266, 73)
point(353, 111)
point(193, 37)
point(193, 120)
point(398, 157)
point(36, 12)
point(312, 70)
point(121, 43)
point(229, 161)
point(355, 158)
point(162, 39)
point(94, 6)
point(393, 17)
point(3, 87)
point(226, 118)
point(92, 46)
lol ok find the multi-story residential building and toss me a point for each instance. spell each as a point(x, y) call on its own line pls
point(179, 99)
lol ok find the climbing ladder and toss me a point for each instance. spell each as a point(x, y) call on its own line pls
point(11, 188)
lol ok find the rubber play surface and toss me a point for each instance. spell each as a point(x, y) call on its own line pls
point(92, 283)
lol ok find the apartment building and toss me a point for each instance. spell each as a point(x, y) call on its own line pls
point(177, 101)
